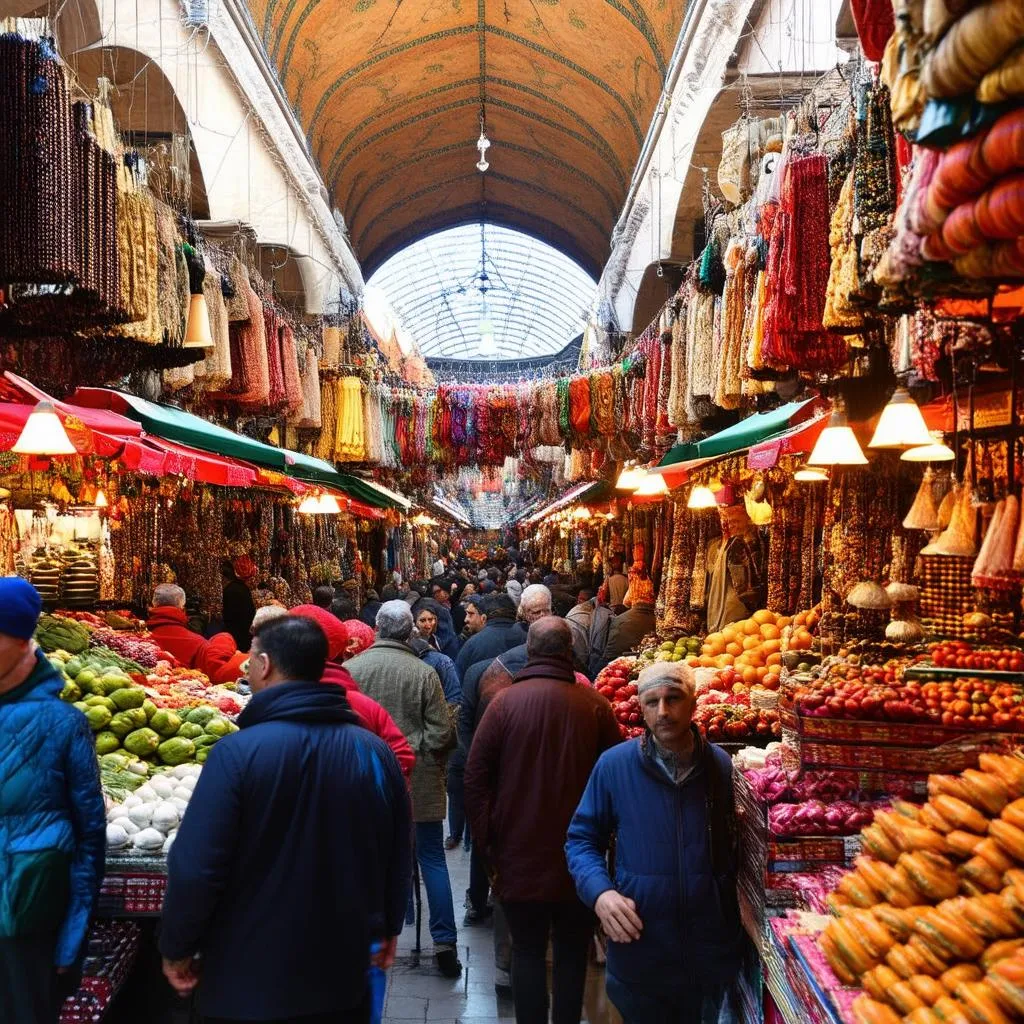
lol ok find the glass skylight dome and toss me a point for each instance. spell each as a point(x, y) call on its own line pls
point(486, 292)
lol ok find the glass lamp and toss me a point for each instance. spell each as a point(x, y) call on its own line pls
point(901, 424)
point(936, 451)
point(652, 483)
point(837, 445)
point(44, 434)
point(702, 497)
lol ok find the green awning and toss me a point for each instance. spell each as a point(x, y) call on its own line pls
point(762, 426)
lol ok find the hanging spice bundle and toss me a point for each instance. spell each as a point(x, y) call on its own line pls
point(310, 415)
point(290, 370)
point(325, 442)
point(138, 262)
point(215, 370)
point(272, 340)
point(579, 409)
point(40, 205)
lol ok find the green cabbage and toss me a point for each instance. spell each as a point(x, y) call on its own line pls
point(201, 715)
point(218, 726)
point(191, 731)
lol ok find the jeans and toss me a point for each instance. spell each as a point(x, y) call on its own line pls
point(570, 926)
point(434, 872)
point(697, 1004)
point(31, 990)
point(456, 802)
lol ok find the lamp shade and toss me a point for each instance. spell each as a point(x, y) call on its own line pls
point(837, 445)
point(630, 478)
point(936, 451)
point(197, 328)
point(309, 505)
point(702, 497)
point(581, 513)
point(810, 475)
point(328, 505)
point(44, 434)
point(652, 483)
point(901, 424)
point(101, 499)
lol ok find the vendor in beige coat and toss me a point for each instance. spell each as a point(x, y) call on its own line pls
point(410, 690)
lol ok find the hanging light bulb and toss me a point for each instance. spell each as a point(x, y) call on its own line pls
point(101, 499)
point(810, 475)
point(630, 477)
point(482, 144)
point(197, 327)
point(701, 496)
point(837, 445)
point(901, 424)
point(44, 434)
point(936, 451)
point(652, 483)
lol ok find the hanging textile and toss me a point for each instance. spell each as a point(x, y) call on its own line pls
point(350, 441)
point(310, 413)
point(290, 370)
point(215, 370)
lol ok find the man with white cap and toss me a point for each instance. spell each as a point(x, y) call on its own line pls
point(52, 822)
point(671, 913)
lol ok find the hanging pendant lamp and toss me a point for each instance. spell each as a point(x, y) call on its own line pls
point(837, 445)
point(44, 434)
point(901, 424)
point(701, 496)
point(936, 451)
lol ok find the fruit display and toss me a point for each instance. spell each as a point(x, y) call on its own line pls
point(814, 818)
point(58, 633)
point(930, 922)
point(673, 650)
point(959, 654)
point(146, 820)
point(734, 720)
point(184, 688)
point(754, 647)
point(882, 693)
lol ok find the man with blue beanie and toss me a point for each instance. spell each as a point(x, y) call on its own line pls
point(52, 821)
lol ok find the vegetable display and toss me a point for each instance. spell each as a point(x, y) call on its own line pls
point(146, 820)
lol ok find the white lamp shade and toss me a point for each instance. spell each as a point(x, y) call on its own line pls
point(630, 478)
point(309, 505)
point(936, 451)
point(652, 483)
point(101, 499)
point(837, 445)
point(197, 328)
point(901, 424)
point(702, 497)
point(809, 475)
point(329, 505)
point(44, 434)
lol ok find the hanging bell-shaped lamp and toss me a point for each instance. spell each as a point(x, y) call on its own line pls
point(901, 424)
point(197, 329)
point(837, 445)
point(43, 433)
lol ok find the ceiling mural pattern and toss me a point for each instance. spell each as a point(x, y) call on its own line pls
point(390, 94)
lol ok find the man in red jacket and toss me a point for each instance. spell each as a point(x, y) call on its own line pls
point(169, 625)
point(374, 717)
point(528, 767)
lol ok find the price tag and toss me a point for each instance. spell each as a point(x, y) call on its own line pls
point(852, 847)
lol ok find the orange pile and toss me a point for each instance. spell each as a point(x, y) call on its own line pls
point(753, 647)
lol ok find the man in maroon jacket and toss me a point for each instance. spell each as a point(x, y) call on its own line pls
point(531, 757)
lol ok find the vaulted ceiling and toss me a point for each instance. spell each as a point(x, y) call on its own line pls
point(390, 94)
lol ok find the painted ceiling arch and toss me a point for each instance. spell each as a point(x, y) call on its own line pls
point(390, 94)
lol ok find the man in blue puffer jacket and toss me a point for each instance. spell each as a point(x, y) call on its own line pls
point(52, 822)
point(671, 912)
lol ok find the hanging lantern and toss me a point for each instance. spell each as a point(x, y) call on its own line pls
point(810, 475)
point(197, 329)
point(652, 483)
point(701, 497)
point(630, 477)
point(44, 434)
point(837, 445)
point(901, 424)
point(936, 451)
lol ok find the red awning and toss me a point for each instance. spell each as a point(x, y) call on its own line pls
point(800, 439)
point(202, 466)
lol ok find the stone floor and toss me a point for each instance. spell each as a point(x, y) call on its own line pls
point(419, 993)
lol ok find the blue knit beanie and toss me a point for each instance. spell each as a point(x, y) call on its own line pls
point(20, 605)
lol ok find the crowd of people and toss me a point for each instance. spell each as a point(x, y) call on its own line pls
point(466, 698)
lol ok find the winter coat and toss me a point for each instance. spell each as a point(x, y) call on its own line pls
point(626, 631)
point(446, 636)
point(239, 611)
point(580, 618)
point(369, 613)
point(675, 856)
point(170, 630)
point(221, 660)
point(293, 857)
point(497, 636)
point(410, 691)
point(52, 818)
point(372, 716)
point(442, 665)
point(600, 622)
point(529, 763)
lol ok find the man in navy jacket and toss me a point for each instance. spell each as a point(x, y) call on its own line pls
point(671, 912)
point(294, 856)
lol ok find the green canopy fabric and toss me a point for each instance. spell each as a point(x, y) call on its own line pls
point(749, 431)
point(177, 425)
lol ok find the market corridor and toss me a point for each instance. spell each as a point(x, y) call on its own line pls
point(419, 994)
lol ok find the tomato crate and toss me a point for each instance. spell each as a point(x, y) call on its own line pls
point(946, 758)
point(132, 895)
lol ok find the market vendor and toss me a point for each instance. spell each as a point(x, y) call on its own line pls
point(736, 575)
point(168, 623)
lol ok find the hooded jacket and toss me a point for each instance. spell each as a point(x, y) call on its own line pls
point(529, 763)
point(170, 630)
point(52, 818)
point(410, 691)
point(442, 665)
point(626, 631)
point(372, 715)
point(294, 856)
point(497, 636)
point(675, 856)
